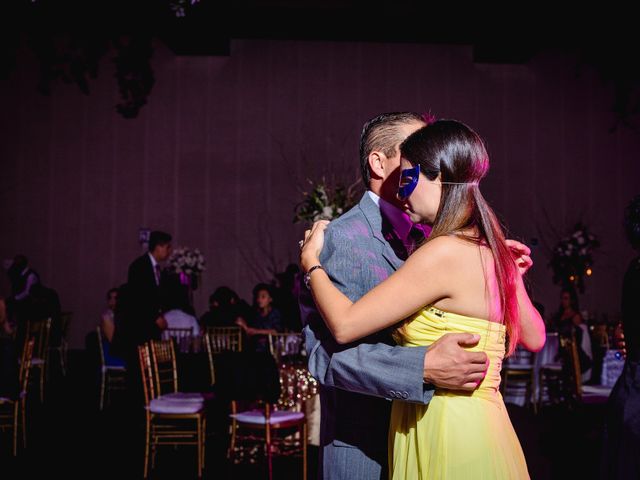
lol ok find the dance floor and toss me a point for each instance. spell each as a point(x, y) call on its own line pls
point(69, 436)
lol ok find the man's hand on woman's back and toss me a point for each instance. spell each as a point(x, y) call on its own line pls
point(447, 364)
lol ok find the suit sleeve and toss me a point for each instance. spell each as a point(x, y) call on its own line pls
point(370, 366)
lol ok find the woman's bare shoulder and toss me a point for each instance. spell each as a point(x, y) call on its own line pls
point(445, 248)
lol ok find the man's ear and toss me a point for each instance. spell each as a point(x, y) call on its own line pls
point(376, 164)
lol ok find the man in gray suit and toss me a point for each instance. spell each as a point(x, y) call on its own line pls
point(361, 249)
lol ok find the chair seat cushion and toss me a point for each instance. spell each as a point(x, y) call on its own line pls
point(183, 397)
point(595, 393)
point(114, 368)
point(163, 405)
point(518, 367)
point(552, 366)
point(23, 394)
point(257, 417)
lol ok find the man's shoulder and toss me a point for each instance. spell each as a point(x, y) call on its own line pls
point(352, 220)
point(141, 261)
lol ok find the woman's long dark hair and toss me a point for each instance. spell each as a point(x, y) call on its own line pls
point(455, 152)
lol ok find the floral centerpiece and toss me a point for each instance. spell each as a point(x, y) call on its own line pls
point(180, 7)
point(188, 264)
point(572, 257)
point(325, 201)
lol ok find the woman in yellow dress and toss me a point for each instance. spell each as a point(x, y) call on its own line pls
point(462, 279)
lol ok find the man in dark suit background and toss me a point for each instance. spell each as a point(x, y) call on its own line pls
point(144, 289)
point(139, 313)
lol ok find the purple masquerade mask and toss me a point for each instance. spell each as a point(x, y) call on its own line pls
point(408, 182)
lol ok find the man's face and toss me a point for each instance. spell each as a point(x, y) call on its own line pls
point(389, 188)
point(162, 252)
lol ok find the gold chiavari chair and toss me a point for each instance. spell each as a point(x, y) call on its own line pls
point(112, 377)
point(256, 417)
point(285, 345)
point(220, 339)
point(182, 336)
point(40, 331)
point(519, 368)
point(13, 411)
point(165, 369)
point(582, 394)
point(61, 345)
point(225, 338)
point(169, 422)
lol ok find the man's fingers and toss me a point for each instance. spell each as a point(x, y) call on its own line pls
point(465, 339)
point(476, 358)
point(477, 369)
point(470, 386)
point(475, 378)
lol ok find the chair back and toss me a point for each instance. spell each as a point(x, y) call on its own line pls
point(65, 320)
point(224, 338)
point(163, 360)
point(285, 345)
point(520, 358)
point(100, 346)
point(39, 330)
point(571, 364)
point(25, 365)
point(146, 373)
point(600, 336)
point(247, 376)
point(182, 336)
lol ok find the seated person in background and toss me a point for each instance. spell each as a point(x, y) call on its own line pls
point(22, 279)
point(286, 297)
point(5, 326)
point(568, 312)
point(8, 357)
point(265, 320)
point(567, 320)
point(108, 327)
point(179, 312)
point(107, 323)
point(43, 303)
point(225, 307)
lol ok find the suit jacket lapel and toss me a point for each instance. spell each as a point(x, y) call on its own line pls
point(380, 229)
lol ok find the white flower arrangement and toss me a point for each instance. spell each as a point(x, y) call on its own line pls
point(572, 257)
point(326, 201)
point(187, 261)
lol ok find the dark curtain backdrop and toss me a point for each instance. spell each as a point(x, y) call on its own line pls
point(221, 151)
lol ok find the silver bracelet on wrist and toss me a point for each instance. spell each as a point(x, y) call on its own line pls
point(307, 276)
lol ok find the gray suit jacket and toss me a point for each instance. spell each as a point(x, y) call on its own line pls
point(358, 380)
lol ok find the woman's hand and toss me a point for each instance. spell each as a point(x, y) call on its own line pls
point(241, 323)
point(521, 255)
point(311, 246)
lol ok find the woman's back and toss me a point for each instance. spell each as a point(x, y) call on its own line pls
point(468, 272)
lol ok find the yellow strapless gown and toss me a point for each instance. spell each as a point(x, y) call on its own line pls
point(458, 435)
